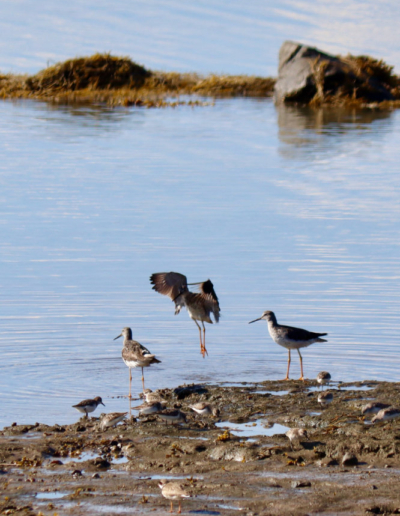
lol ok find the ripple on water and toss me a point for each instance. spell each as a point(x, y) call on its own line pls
point(252, 429)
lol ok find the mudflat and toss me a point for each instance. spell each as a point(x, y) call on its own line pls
point(238, 461)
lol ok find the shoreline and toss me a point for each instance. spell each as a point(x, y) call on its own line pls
point(240, 460)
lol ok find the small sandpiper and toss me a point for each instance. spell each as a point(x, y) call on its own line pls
point(373, 408)
point(87, 406)
point(295, 434)
point(173, 491)
point(146, 409)
point(290, 337)
point(325, 398)
point(386, 414)
point(324, 378)
point(135, 355)
point(151, 396)
point(172, 416)
point(112, 419)
point(205, 409)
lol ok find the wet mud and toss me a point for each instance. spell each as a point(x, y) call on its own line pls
point(239, 462)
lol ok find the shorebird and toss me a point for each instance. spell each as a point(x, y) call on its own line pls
point(295, 434)
point(323, 378)
point(87, 406)
point(386, 414)
point(325, 398)
point(173, 491)
point(205, 409)
point(150, 408)
point(289, 337)
point(135, 355)
point(112, 419)
point(172, 416)
point(373, 408)
point(151, 396)
point(199, 305)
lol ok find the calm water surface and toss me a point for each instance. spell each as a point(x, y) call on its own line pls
point(291, 210)
point(285, 209)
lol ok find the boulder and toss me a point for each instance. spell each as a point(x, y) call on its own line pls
point(306, 74)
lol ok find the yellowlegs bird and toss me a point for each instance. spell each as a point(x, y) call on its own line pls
point(199, 305)
point(135, 355)
point(289, 337)
point(173, 491)
point(87, 406)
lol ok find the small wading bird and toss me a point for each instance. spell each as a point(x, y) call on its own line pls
point(112, 419)
point(87, 406)
point(295, 434)
point(173, 491)
point(323, 378)
point(135, 355)
point(289, 337)
point(199, 305)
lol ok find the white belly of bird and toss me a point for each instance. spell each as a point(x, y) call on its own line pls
point(133, 363)
point(288, 343)
point(87, 408)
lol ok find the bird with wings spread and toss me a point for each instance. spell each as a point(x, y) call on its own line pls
point(200, 305)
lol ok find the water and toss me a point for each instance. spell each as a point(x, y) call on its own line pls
point(253, 429)
point(288, 209)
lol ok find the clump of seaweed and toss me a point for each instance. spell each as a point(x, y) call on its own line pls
point(100, 71)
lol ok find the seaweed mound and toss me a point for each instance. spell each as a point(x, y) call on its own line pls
point(307, 75)
point(100, 71)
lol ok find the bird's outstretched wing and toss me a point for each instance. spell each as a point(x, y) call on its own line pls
point(170, 284)
point(210, 298)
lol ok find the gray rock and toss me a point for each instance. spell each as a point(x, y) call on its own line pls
point(305, 72)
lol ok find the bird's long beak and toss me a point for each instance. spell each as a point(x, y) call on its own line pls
point(197, 283)
point(102, 403)
point(255, 320)
point(118, 336)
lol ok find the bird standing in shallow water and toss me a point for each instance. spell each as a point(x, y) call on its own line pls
point(87, 406)
point(289, 337)
point(199, 305)
point(135, 355)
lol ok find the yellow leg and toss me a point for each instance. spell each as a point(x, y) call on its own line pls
point(142, 379)
point(205, 352)
point(288, 367)
point(201, 343)
point(180, 508)
point(301, 366)
point(172, 507)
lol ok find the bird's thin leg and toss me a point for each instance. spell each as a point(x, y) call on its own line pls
point(130, 382)
point(201, 343)
point(172, 508)
point(288, 367)
point(204, 339)
point(180, 508)
point(301, 366)
point(143, 379)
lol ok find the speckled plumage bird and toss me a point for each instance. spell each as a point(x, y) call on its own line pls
point(290, 337)
point(205, 409)
point(199, 305)
point(112, 419)
point(373, 408)
point(324, 378)
point(135, 355)
point(295, 434)
point(386, 414)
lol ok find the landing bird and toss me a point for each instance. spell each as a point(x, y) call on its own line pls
point(135, 355)
point(323, 378)
point(289, 337)
point(87, 406)
point(199, 305)
point(173, 491)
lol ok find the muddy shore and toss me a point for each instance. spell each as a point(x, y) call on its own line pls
point(239, 462)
